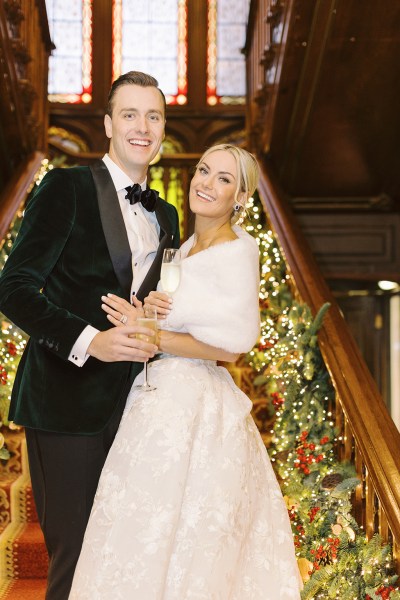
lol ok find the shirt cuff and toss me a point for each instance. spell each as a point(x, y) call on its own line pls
point(78, 354)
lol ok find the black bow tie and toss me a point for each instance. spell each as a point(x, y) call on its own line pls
point(148, 197)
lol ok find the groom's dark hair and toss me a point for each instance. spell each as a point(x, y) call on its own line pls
point(133, 78)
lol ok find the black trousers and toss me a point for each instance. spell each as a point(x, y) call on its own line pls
point(65, 470)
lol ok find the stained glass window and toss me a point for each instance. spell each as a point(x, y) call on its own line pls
point(226, 74)
point(151, 36)
point(70, 65)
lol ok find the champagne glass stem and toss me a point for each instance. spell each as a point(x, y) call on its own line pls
point(151, 323)
point(145, 386)
point(145, 382)
point(165, 321)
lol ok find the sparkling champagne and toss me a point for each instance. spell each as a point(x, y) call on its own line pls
point(150, 323)
point(170, 276)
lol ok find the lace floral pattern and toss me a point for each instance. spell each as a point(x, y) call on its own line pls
point(188, 506)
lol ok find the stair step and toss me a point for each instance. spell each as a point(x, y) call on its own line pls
point(23, 556)
point(27, 556)
point(5, 500)
point(30, 508)
point(28, 589)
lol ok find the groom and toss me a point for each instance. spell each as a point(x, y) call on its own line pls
point(81, 238)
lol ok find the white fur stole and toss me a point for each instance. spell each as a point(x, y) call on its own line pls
point(217, 298)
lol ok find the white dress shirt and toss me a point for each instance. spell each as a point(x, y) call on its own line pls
point(143, 233)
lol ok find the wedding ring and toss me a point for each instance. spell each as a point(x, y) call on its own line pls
point(123, 319)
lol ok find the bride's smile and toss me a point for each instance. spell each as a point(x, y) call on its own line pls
point(214, 187)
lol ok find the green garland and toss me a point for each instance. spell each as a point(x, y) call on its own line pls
point(12, 339)
point(12, 344)
point(334, 557)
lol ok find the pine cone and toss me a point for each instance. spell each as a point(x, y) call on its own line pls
point(282, 455)
point(329, 482)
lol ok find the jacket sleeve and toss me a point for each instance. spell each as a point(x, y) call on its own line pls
point(45, 229)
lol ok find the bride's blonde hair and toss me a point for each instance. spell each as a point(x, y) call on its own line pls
point(246, 164)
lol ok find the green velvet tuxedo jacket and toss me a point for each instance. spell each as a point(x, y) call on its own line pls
point(72, 248)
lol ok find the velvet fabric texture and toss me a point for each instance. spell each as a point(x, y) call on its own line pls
point(62, 262)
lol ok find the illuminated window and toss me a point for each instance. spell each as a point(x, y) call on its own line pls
point(70, 66)
point(226, 73)
point(151, 36)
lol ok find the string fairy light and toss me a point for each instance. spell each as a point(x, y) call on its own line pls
point(290, 374)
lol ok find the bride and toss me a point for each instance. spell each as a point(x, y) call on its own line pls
point(188, 506)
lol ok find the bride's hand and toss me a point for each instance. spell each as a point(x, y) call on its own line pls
point(161, 301)
point(119, 311)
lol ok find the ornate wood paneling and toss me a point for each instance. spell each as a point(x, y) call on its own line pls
point(24, 51)
point(363, 246)
point(367, 313)
point(324, 89)
point(25, 47)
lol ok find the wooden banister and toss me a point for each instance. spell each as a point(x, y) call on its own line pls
point(15, 192)
point(367, 433)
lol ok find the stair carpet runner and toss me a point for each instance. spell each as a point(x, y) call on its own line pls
point(23, 556)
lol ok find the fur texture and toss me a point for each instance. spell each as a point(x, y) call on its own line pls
point(217, 299)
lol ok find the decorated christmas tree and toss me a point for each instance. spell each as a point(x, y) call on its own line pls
point(12, 339)
point(335, 559)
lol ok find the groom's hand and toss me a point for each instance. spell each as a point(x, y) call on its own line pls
point(120, 344)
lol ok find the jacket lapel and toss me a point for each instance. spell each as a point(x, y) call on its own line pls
point(113, 225)
point(153, 275)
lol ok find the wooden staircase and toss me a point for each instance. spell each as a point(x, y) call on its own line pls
point(292, 52)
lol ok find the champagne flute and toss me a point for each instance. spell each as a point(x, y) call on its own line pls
point(170, 272)
point(149, 320)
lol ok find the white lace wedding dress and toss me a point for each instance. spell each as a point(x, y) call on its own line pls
point(188, 506)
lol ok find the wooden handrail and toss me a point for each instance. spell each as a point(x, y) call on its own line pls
point(14, 194)
point(367, 435)
point(367, 422)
